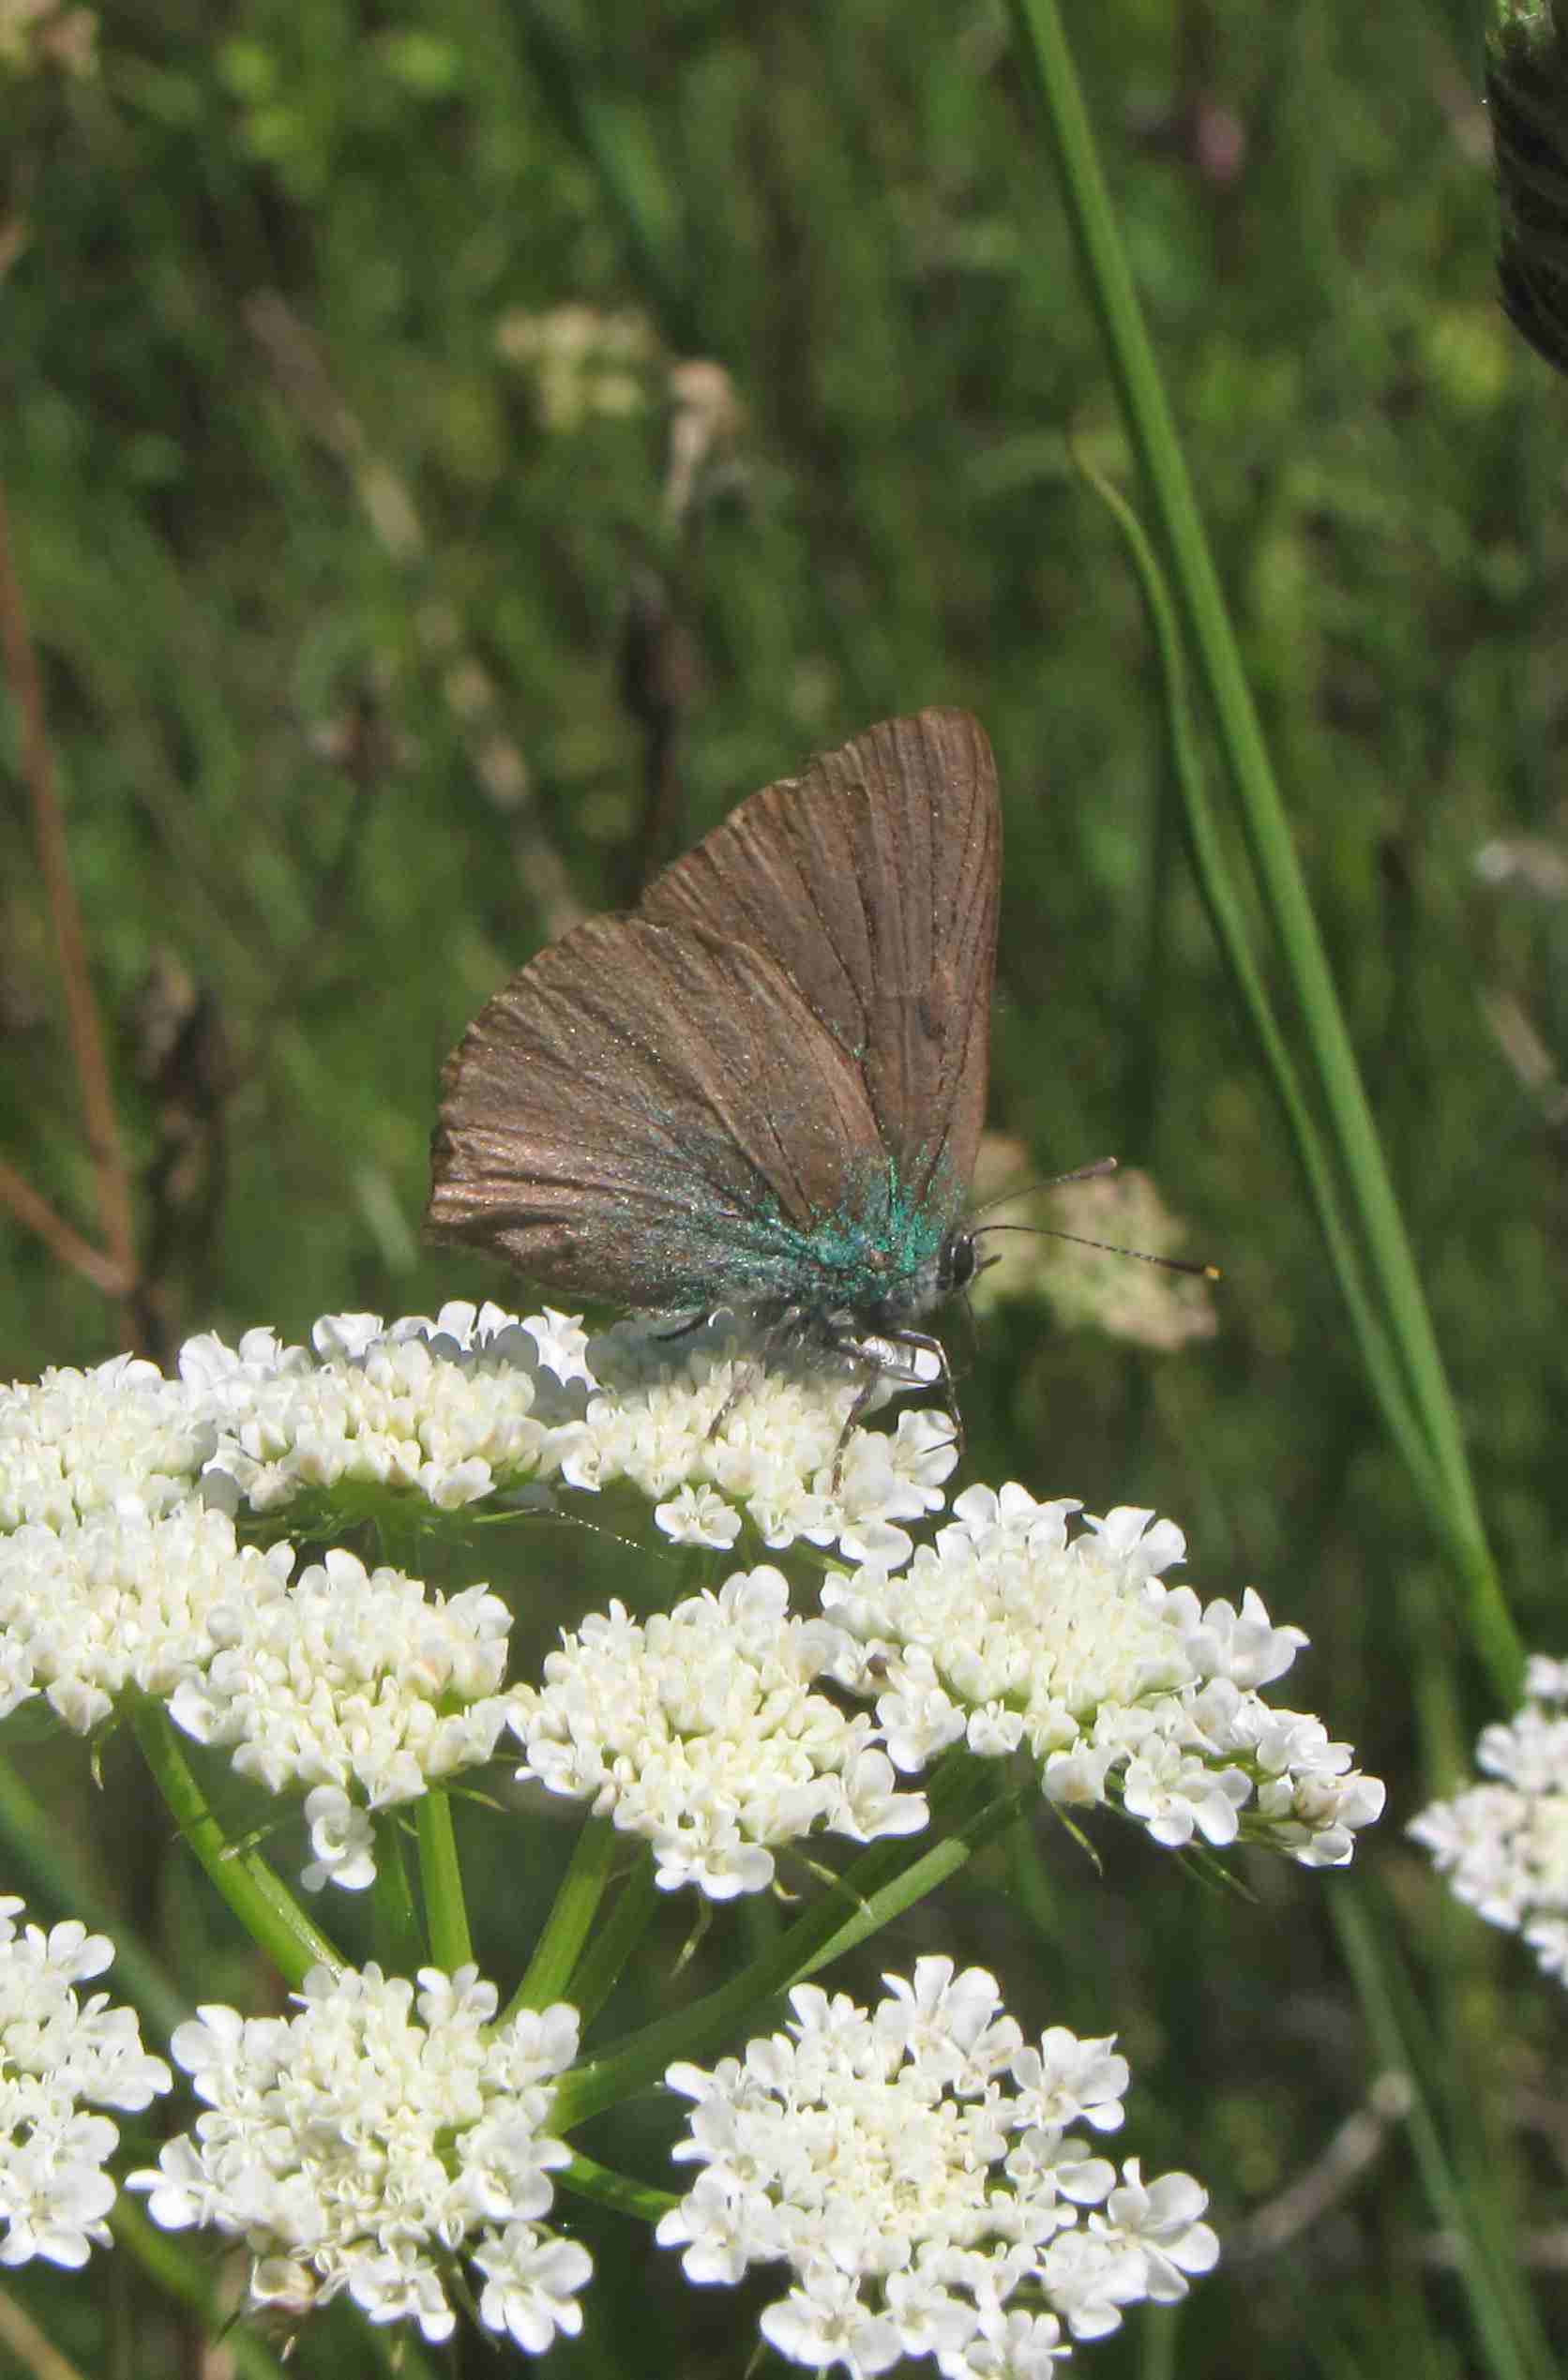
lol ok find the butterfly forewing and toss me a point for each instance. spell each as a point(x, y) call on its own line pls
point(873, 877)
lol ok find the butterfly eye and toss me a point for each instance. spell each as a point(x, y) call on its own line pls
point(961, 1261)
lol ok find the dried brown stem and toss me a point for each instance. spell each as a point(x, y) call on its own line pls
point(1324, 2184)
point(86, 1033)
point(658, 675)
point(53, 1229)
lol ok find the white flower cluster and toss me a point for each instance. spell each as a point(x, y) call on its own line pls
point(1504, 1848)
point(456, 1406)
point(365, 2144)
point(916, 2168)
point(116, 1438)
point(360, 1685)
point(698, 1729)
point(446, 1408)
point(120, 1599)
point(451, 1407)
point(1009, 1633)
point(59, 2060)
point(713, 1437)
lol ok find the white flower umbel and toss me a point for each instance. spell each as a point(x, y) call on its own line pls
point(473, 1401)
point(709, 1433)
point(698, 1729)
point(449, 1408)
point(1010, 1631)
point(1504, 1848)
point(362, 1684)
point(118, 1438)
point(120, 1600)
point(368, 2141)
point(60, 2058)
point(918, 2168)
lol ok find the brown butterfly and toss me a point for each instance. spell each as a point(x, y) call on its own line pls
point(762, 1089)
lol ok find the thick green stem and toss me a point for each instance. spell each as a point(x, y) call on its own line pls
point(1226, 916)
point(263, 1905)
point(441, 1882)
point(566, 1928)
point(400, 1937)
point(604, 1961)
point(1043, 49)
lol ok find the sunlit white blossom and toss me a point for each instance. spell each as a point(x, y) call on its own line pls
point(449, 1408)
point(700, 1729)
point(365, 1685)
point(473, 1401)
point(561, 1339)
point(699, 1516)
point(365, 2144)
point(61, 2057)
point(121, 1599)
point(117, 1439)
point(1014, 1631)
point(767, 1444)
point(532, 2278)
point(914, 2168)
point(342, 1839)
point(1503, 1846)
point(1016, 2346)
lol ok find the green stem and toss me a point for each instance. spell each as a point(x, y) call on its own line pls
point(880, 1886)
point(1042, 44)
point(813, 1943)
point(1505, 2316)
point(441, 1883)
point(608, 2189)
point(263, 1905)
point(565, 1929)
point(399, 1937)
point(1230, 931)
point(605, 1959)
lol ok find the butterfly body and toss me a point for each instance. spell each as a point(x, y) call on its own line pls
point(762, 1089)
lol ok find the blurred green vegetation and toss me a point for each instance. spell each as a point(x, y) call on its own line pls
point(338, 398)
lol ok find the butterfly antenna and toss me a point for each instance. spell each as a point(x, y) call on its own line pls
point(1096, 1173)
point(1109, 1247)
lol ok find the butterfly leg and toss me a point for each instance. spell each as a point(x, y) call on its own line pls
point(684, 1330)
point(863, 1396)
point(871, 1355)
point(944, 1375)
point(748, 1371)
point(780, 1335)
